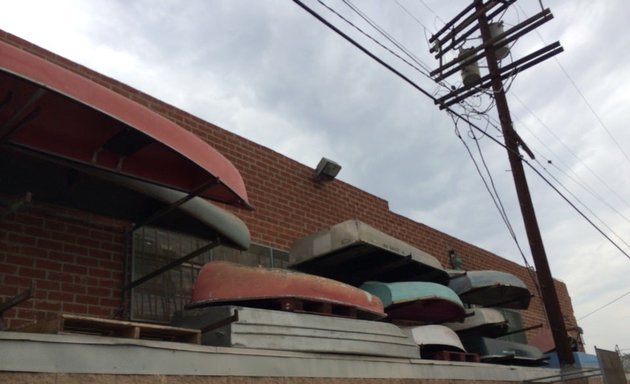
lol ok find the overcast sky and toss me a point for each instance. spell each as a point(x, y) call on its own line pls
point(270, 72)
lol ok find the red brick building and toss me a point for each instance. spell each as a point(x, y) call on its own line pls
point(76, 260)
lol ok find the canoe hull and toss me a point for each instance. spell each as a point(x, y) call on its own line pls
point(72, 117)
point(488, 322)
point(354, 252)
point(504, 352)
point(221, 283)
point(434, 338)
point(422, 302)
point(491, 289)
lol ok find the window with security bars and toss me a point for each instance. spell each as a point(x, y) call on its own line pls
point(158, 298)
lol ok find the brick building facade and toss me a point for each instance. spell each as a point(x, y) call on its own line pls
point(75, 260)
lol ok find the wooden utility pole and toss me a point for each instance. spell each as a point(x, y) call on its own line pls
point(494, 79)
point(545, 279)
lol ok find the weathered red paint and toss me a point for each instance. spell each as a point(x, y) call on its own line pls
point(75, 117)
point(224, 282)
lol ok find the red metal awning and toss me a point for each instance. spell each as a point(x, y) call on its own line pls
point(51, 111)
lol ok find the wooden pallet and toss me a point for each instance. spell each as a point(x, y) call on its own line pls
point(65, 323)
point(455, 356)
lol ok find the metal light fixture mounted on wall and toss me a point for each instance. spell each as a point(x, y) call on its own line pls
point(326, 170)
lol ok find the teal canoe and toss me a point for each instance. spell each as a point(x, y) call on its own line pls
point(491, 289)
point(418, 301)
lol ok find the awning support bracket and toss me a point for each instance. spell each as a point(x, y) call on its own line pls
point(172, 264)
point(164, 211)
point(13, 207)
point(16, 120)
point(523, 329)
point(12, 302)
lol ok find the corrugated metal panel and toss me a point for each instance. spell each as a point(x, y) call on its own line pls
point(232, 326)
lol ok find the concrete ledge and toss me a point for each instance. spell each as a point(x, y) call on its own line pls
point(78, 354)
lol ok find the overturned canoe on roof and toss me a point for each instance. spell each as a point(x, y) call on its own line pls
point(434, 338)
point(491, 289)
point(504, 352)
point(488, 322)
point(354, 252)
point(221, 282)
point(417, 301)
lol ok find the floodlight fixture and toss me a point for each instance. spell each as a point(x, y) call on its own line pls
point(326, 170)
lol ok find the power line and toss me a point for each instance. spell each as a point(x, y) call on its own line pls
point(494, 195)
point(493, 192)
point(590, 107)
point(432, 11)
point(411, 15)
point(569, 150)
point(588, 104)
point(368, 36)
point(426, 93)
point(584, 205)
point(384, 34)
point(604, 306)
point(390, 38)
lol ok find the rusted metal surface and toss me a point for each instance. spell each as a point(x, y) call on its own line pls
point(221, 282)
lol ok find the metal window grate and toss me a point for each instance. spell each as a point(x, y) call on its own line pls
point(157, 299)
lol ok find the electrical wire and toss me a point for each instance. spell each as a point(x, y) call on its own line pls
point(574, 177)
point(583, 205)
point(426, 93)
point(387, 36)
point(498, 203)
point(588, 104)
point(496, 199)
point(569, 149)
point(411, 15)
point(425, 67)
point(604, 306)
point(432, 11)
point(369, 36)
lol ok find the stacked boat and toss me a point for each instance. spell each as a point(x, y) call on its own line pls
point(352, 289)
point(261, 308)
point(495, 329)
point(411, 284)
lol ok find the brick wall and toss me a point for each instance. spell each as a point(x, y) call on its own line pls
point(73, 262)
point(288, 205)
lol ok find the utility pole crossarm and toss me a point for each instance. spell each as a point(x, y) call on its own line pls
point(491, 42)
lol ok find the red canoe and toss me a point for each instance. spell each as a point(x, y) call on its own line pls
point(221, 282)
point(49, 111)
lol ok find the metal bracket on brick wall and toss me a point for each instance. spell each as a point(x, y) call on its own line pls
point(164, 211)
point(12, 302)
point(17, 204)
point(172, 264)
